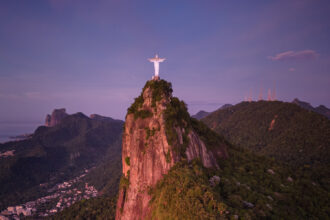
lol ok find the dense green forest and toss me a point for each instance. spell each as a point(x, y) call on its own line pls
point(279, 130)
point(252, 185)
point(249, 187)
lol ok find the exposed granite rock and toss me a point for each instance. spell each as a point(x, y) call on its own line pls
point(147, 154)
point(56, 117)
point(197, 149)
point(48, 120)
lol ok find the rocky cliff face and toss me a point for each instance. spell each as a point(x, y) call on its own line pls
point(56, 117)
point(157, 134)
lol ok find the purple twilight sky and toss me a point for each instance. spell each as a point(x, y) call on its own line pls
point(91, 56)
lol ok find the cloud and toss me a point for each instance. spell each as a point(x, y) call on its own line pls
point(292, 55)
point(292, 69)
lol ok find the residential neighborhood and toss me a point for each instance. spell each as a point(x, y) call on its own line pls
point(60, 196)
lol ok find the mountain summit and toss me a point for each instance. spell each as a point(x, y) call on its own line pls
point(158, 133)
point(56, 117)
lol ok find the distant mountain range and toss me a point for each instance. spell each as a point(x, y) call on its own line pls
point(201, 114)
point(321, 109)
point(65, 149)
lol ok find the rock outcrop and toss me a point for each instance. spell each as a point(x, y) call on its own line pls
point(59, 114)
point(158, 132)
point(56, 117)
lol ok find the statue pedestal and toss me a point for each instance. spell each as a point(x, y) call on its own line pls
point(156, 78)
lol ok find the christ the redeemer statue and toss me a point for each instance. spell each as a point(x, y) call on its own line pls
point(156, 62)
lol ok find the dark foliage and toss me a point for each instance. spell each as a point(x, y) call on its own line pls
point(136, 105)
point(142, 114)
point(55, 154)
point(177, 117)
point(127, 161)
point(95, 208)
point(106, 175)
point(160, 89)
point(298, 137)
point(186, 192)
point(211, 139)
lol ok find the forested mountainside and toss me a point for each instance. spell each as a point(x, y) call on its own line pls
point(60, 153)
point(279, 130)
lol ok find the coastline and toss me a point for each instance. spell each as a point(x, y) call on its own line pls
point(12, 131)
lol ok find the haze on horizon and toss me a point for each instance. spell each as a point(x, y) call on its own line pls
point(91, 56)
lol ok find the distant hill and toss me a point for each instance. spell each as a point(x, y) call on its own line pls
point(321, 109)
point(225, 106)
point(276, 129)
point(202, 114)
point(57, 153)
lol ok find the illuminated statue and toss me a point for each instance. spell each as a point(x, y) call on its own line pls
point(156, 62)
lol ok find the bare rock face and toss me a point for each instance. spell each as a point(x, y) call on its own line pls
point(56, 117)
point(48, 120)
point(197, 149)
point(146, 150)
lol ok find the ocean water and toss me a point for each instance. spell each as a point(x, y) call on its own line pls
point(10, 129)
